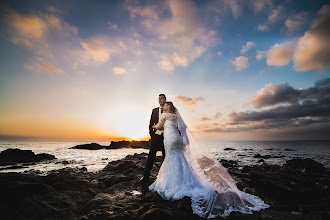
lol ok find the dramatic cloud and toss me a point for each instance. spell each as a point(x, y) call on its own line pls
point(241, 63)
point(188, 101)
point(96, 50)
point(288, 111)
point(309, 102)
point(118, 70)
point(247, 46)
point(313, 49)
point(280, 54)
point(40, 65)
point(273, 94)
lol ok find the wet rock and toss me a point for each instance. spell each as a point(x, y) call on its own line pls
point(13, 156)
point(71, 193)
point(228, 148)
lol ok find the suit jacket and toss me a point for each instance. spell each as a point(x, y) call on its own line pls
point(153, 120)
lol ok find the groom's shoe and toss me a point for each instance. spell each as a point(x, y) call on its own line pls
point(144, 179)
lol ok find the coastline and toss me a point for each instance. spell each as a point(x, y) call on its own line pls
point(296, 190)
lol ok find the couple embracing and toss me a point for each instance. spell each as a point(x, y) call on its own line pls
point(190, 170)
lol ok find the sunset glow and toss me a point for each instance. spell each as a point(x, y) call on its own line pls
point(236, 70)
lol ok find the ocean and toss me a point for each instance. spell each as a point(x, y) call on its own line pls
point(245, 152)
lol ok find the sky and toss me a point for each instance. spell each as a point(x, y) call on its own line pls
point(235, 69)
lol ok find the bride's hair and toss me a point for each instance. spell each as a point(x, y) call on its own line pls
point(172, 107)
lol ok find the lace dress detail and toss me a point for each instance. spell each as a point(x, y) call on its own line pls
point(176, 179)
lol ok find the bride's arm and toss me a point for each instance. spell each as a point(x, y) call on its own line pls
point(160, 123)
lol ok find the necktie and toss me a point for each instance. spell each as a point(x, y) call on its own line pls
point(161, 110)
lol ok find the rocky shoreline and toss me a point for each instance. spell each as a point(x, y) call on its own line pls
point(296, 190)
point(114, 145)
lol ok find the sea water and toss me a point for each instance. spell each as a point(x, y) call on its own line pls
point(243, 151)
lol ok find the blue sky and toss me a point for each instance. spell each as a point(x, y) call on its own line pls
point(93, 70)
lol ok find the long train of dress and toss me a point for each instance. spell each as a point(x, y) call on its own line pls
point(178, 178)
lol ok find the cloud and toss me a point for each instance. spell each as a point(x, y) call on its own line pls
point(40, 65)
point(180, 35)
point(258, 5)
point(276, 14)
point(247, 46)
point(118, 70)
point(188, 101)
point(168, 62)
point(96, 50)
point(234, 6)
point(261, 54)
point(274, 94)
point(295, 23)
point(219, 53)
point(36, 27)
point(112, 26)
point(218, 115)
point(280, 54)
point(313, 49)
point(205, 119)
point(289, 111)
point(241, 63)
point(263, 27)
point(309, 102)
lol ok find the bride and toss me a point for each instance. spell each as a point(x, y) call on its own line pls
point(189, 170)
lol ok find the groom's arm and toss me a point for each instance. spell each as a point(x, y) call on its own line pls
point(151, 123)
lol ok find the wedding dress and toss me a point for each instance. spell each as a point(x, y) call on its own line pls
point(189, 170)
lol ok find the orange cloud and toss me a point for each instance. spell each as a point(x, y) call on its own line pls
point(118, 70)
point(188, 101)
point(42, 66)
point(313, 49)
point(280, 54)
point(96, 50)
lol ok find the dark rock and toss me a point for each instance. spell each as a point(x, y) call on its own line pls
point(91, 146)
point(13, 156)
point(139, 144)
point(228, 148)
point(261, 161)
point(119, 144)
point(287, 149)
point(71, 193)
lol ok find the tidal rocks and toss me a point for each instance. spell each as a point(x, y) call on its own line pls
point(12, 156)
point(91, 146)
point(114, 145)
point(228, 148)
point(299, 186)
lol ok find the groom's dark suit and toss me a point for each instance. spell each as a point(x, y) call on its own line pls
point(156, 142)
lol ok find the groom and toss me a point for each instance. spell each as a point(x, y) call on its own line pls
point(157, 138)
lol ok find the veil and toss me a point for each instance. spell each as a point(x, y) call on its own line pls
point(227, 197)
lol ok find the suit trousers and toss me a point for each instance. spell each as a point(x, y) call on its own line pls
point(156, 144)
